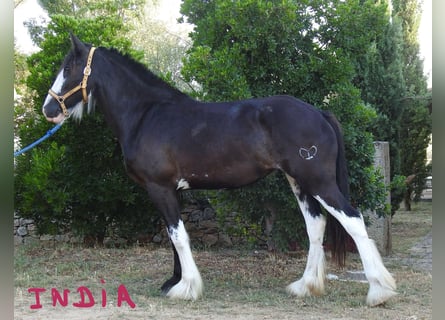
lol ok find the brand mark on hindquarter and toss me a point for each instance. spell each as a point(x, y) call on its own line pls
point(308, 154)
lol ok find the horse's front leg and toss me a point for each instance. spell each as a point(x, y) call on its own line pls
point(190, 283)
point(186, 281)
point(176, 273)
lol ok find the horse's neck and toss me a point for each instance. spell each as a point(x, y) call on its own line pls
point(110, 99)
point(125, 99)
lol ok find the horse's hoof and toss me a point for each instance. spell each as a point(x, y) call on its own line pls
point(170, 283)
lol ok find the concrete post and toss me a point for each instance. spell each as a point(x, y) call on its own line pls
point(379, 228)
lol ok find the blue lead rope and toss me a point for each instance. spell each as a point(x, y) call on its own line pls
point(48, 134)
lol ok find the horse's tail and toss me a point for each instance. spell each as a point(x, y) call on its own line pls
point(337, 236)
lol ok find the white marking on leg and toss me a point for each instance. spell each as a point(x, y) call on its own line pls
point(381, 284)
point(190, 286)
point(183, 184)
point(312, 282)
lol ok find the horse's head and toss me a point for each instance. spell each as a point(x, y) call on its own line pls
point(70, 91)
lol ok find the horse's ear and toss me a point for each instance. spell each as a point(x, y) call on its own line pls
point(78, 46)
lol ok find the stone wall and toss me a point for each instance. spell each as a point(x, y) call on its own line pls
point(25, 233)
point(200, 223)
point(23, 230)
point(202, 227)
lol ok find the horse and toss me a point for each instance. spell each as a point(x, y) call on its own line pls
point(172, 142)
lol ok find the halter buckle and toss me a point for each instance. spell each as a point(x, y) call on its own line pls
point(87, 71)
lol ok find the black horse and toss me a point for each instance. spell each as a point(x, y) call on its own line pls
point(172, 142)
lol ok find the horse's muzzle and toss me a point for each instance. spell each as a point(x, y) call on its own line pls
point(55, 116)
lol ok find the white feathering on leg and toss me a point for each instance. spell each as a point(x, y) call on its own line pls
point(312, 282)
point(190, 286)
point(381, 283)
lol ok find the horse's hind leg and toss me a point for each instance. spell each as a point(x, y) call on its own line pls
point(381, 284)
point(186, 282)
point(312, 282)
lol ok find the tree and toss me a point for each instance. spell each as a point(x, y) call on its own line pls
point(77, 181)
point(307, 49)
point(164, 44)
point(391, 79)
point(380, 78)
point(416, 122)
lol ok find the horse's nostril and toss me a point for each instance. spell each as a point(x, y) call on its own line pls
point(51, 111)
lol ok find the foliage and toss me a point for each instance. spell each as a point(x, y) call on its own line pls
point(382, 84)
point(416, 121)
point(120, 10)
point(23, 98)
point(270, 198)
point(47, 193)
point(416, 131)
point(80, 180)
point(308, 49)
point(391, 79)
point(163, 44)
point(398, 190)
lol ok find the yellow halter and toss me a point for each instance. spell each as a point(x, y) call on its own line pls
point(82, 86)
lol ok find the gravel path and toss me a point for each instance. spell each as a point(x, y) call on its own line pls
point(421, 254)
point(420, 258)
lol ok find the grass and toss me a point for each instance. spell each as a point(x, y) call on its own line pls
point(239, 283)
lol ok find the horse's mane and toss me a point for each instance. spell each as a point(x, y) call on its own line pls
point(140, 70)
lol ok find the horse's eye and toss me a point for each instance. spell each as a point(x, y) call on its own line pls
point(66, 68)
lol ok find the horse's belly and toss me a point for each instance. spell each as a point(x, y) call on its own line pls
point(222, 176)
